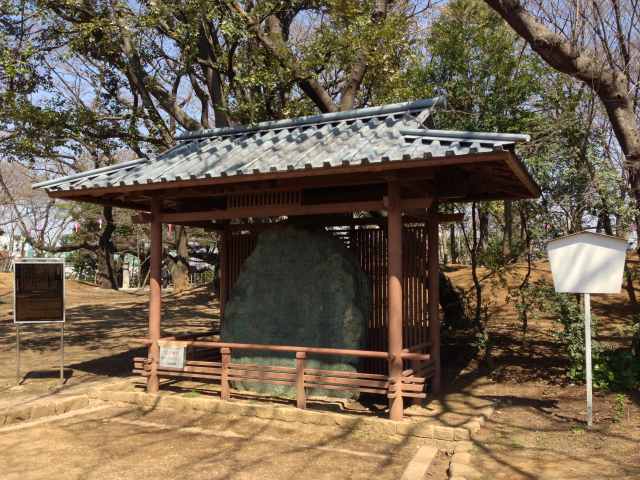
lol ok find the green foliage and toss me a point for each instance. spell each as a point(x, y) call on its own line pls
point(492, 255)
point(207, 276)
point(574, 164)
point(489, 78)
point(619, 407)
point(492, 80)
point(613, 369)
point(83, 264)
point(635, 339)
point(342, 32)
point(617, 370)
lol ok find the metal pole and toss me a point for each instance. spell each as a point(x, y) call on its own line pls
point(18, 354)
point(587, 344)
point(62, 352)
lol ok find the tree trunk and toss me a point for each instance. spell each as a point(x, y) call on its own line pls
point(143, 273)
point(473, 252)
point(180, 267)
point(105, 270)
point(629, 287)
point(507, 239)
point(524, 218)
point(606, 222)
point(483, 218)
point(453, 247)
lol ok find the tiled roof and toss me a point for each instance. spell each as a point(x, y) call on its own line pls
point(365, 136)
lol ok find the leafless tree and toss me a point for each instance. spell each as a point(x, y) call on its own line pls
point(596, 42)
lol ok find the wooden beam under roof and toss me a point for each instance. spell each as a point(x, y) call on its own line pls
point(271, 211)
point(316, 220)
point(289, 210)
point(112, 202)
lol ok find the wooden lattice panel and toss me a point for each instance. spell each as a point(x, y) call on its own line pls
point(241, 245)
point(265, 199)
point(369, 245)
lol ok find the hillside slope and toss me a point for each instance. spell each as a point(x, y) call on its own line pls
point(614, 313)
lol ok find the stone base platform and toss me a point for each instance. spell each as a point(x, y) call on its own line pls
point(453, 418)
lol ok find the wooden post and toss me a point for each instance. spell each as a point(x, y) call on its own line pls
point(225, 391)
point(155, 294)
point(301, 399)
point(18, 376)
point(394, 232)
point(434, 295)
point(223, 256)
point(415, 366)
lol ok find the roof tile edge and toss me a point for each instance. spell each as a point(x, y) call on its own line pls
point(417, 105)
point(117, 166)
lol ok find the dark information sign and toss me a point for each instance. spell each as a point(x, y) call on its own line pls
point(38, 290)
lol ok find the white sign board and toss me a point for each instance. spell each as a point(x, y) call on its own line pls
point(172, 354)
point(587, 262)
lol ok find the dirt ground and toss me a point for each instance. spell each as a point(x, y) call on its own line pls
point(130, 443)
point(114, 443)
point(100, 334)
point(538, 430)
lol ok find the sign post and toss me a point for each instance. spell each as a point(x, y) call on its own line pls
point(38, 297)
point(587, 359)
point(587, 263)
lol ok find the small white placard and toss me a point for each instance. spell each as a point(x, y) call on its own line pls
point(587, 262)
point(172, 355)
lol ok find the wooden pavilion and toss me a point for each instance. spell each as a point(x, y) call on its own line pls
point(373, 177)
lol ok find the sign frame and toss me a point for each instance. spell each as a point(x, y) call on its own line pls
point(39, 261)
point(18, 324)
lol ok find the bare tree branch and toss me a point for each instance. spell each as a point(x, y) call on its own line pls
point(610, 83)
point(274, 42)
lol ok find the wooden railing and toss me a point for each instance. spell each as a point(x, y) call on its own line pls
point(410, 384)
point(420, 367)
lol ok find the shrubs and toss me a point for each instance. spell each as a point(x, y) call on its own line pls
point(613, 369)
point(617, 370)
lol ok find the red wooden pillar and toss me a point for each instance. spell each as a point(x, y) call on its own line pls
point(394, 232)
point(223, 255)
point(155, 295)
point(434, 295)
point(225, 389)
point(301, 399)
